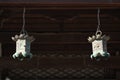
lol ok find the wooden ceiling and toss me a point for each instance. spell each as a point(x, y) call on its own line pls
point(60, 29)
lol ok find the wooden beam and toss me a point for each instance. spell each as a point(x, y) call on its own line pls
point(42, 15)
point(55, 6)
point(63, 1)
point(67, 37)
point(58, 50)
point(37, 13)
point(56, 20)
point(7, 62)
point(75, 27)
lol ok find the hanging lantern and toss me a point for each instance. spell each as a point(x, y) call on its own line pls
point(23, 42)
point(99, 44)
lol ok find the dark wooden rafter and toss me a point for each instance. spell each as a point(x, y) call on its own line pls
point(53, 21)
point(71, 5)
point(113, 62)
point(80, 7)
point(57, 37)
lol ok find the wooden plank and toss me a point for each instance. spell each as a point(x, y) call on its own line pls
point(60, 5)
point(47, 15)
point(113, 62)
point(59, 38)
point(70, 37)
point(56, 20)
point(75, 27)
point(57, 1)
point(32, 14)
point(37, 13)
point(59, 50)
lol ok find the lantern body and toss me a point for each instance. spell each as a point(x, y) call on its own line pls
point(22, 46)
point(99, 46)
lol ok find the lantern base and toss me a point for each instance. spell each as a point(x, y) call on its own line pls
point(99, 56)
point(21, 56)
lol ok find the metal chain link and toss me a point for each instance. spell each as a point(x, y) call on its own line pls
point(23, 31)
point(98, 27)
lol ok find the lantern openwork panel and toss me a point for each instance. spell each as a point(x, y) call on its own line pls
point(99, 46)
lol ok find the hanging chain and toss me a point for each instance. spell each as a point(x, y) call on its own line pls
point(23, 31)
point(98, 27)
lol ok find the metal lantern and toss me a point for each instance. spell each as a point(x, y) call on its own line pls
point(23, 42)
point(99, 46)
point(99, 43)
